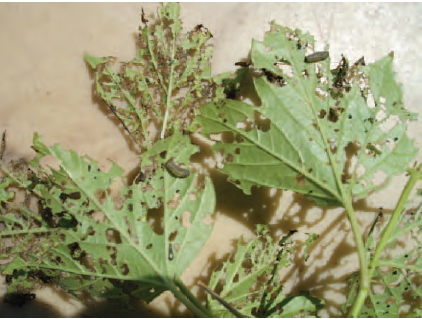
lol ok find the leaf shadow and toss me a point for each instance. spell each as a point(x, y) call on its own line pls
point(260, 208)
point(33, 309)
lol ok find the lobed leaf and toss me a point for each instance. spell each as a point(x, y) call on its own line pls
point(317, 131)
point(101, 243)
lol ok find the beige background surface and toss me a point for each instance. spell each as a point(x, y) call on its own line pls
point(46, 88)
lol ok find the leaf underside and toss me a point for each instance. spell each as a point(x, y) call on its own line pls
point(316, 133)
point(109, 246)
point(395, 289)
point(167, 80)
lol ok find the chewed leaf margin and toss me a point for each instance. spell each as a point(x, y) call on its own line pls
point(251, 297)
point(100, 241)
point(313, 124)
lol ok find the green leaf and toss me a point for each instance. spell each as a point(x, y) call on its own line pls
point(303, 139)
point(99, 238)
point(95, 61)
point(244, 288)
point(393, 287)
point(166, 82)
point(301, 304)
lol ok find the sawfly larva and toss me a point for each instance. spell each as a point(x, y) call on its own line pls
point(176, 170)
point(317, 56)
point(171, 255)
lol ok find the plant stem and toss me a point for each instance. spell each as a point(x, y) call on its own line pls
point(392, 224)
point(220, 300)
point(191, 297)
point(195, 307)
point(364, 276)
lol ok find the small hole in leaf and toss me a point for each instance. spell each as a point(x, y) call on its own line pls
point(149, 246)
point(155, 219)
point(236, 278)
point(207, 220)
point(75, 195)
point(227, 137)
point(185, 219)
point(172, 236)
point(310, 170)
point(263, 124)
point(237, 151)
point(113, 236)
point(174, 202)
point(124, 269)
point(239, 138)
point(322, 113)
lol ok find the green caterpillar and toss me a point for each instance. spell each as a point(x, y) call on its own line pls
point(176, 170)
point(317, 56)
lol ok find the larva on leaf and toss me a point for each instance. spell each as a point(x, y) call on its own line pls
point(317, 56)
point(171, 255)
point(175, 170)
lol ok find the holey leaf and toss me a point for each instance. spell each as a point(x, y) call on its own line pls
point(252, 282)
point(164, 84)
point(320, 132)
point(395, 290)
point(133, 243)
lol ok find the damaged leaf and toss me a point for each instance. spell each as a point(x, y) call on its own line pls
point(111, 241)
point(304, 140)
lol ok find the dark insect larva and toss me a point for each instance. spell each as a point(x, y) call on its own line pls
point(317, 56)
point(176, 170)
point(3, 145)
point(171, 255)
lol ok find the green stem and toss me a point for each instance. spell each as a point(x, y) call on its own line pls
point(191, 297)
point(364, 276)
point(392, 224)
point(199, 311)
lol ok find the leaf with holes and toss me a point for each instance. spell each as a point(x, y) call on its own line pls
point(324, 133)
point(133, 243)
point(395, 291)
point(169, 78)
point(246, 291)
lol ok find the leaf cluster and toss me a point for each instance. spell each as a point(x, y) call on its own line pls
point(326, 133)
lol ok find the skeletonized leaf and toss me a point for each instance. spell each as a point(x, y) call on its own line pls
point(165, 83)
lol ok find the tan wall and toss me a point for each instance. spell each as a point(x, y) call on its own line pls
point(46, 88)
